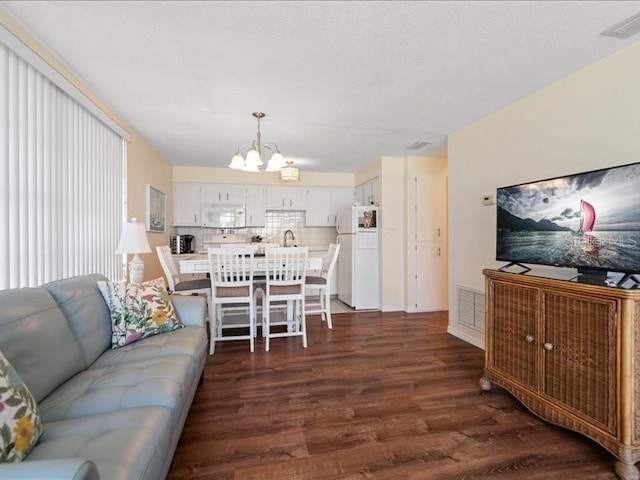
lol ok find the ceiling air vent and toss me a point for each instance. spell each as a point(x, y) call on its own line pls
point(417, 146)
point(625, 28)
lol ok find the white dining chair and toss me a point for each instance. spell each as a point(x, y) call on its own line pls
point(322, 285)
point(285, 282)
point(187, 287)
point(231, 272)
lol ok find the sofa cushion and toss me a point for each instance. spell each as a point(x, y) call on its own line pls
point(36, 338)
point(189, 340)
point(138, 310)
point(126, 445)
point(19, 415)
point(86, 311)
point(162, 381)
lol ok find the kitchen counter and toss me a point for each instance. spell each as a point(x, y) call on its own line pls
point(200, 263)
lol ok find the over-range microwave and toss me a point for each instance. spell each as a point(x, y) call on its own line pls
point(223, 216)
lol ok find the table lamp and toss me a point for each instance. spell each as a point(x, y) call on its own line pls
point(134, 240)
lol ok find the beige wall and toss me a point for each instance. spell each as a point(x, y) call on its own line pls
point(145, 166)
point(391, 188)
point(227, 175)
point(586, 121)
point(367, 173)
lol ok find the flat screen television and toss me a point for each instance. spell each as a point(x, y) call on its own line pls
point(589, 221)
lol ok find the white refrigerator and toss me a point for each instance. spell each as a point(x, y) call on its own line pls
point(359, 257)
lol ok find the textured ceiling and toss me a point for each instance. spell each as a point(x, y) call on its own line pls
point(342, 83)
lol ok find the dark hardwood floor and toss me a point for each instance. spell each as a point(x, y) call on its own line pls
point(382, 396)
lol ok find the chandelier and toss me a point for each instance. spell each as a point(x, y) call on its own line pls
point(257, 151)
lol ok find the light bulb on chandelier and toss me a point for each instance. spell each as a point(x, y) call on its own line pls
point(254, 157)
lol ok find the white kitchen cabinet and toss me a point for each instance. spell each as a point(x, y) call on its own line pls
point(324, 203)
point(341, 197)
point(254, 213)
point(225, 194)
point(285, 198)
point(367, 192)
point(319, 207)
point(186, 205)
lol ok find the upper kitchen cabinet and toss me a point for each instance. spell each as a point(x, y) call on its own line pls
point(367, 193)
point(255, 206)
point(285, 198)
point(323, 204)
point(319, 207)
point(186, 205)
point(223, 194)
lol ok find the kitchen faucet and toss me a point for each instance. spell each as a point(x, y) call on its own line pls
point(286, 237)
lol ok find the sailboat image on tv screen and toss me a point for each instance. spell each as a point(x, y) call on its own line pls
point(587, 217)
point(587, 221)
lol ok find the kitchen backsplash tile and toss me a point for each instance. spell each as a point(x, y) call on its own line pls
point(276, 223)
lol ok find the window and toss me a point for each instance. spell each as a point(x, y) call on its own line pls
point(62, 177)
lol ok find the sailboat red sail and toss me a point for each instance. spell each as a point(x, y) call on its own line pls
point(587, 217)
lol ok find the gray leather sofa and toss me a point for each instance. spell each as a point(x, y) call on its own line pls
point(108, 414)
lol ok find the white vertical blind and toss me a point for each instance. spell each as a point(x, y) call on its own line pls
point(62, 175)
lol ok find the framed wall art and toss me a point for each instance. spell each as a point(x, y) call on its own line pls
point(156, 210)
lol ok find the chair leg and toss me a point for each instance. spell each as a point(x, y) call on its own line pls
point(265, 324)
point(303, 322)
point(252, 323)
point(219, 320)
point(327, 307)
point(212, 329)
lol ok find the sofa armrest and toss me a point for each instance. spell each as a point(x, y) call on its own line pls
point(59, 469)
point(191, 309)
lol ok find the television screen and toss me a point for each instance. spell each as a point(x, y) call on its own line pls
point(589, 221)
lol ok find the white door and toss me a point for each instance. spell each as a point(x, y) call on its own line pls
point(345, 269)
point(431, 277)
point(431, 259)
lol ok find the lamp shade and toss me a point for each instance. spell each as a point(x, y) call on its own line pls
point(289, 173)
point(237, 162)
point(275, 163)
point(133, 239)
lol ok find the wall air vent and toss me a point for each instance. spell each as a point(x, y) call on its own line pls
point(625, 28)
point(417, 146)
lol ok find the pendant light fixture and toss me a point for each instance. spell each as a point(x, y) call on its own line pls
point(253, 162)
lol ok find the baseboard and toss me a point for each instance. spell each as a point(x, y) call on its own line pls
point(462, 334)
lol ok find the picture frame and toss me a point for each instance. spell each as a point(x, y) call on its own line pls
point(156, 210)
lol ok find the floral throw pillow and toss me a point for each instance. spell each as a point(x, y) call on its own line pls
point(138, 310)
point(20, 425)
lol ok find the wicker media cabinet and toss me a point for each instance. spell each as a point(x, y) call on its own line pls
point(570, 352)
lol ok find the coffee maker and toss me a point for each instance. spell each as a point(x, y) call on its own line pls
point(182, 244)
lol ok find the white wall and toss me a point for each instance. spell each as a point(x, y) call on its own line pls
point(586, 121)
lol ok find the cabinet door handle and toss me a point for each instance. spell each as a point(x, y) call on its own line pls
point(548, 347)
point(529, 338)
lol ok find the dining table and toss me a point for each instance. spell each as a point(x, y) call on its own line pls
point(199, 263)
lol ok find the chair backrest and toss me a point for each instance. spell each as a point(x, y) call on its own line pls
point(286, 265)
point(230, 267)
point(168, 266)
point(330, 260)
